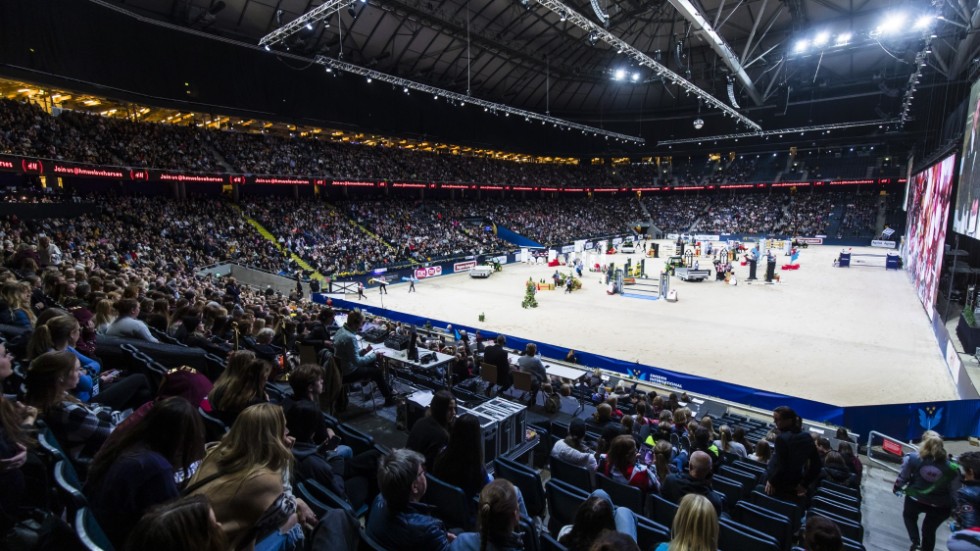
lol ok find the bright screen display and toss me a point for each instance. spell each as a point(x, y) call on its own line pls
point(966, 217)
point(928, 210)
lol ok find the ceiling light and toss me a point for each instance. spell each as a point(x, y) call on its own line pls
point(620, 74)
point(635, 77)
point(843, 39)
point(369, 80)
point(892, 23)
point(593, 38)
point(309, 26)
point(822, 38)
point(698, 123)
point(923, 22)
point(801, 46)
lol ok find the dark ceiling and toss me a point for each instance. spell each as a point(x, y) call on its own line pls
point(525, 56)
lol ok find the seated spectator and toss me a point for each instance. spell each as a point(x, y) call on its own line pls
point(702, 442)
point(835, 470)
point(127, 326)
point(15, 308)
point(594, 516)
point(621, 465)
point(664, 458)
point(530, 363)
point(240, 385)
point(572, 449)
point(697, 480)
point(727, 443)
point(306, 382)
point(821, 534)
point(114, 389)
point(187, 523)
point(105, 314)
point(137, 471)
point(763, 451)
point(244, 477)
point(604, 424)
point(966, 521)
point(498, 516)
point(430, 434)
point(80, 428)
point(398, 521)
point(496, 355)
point(695, 526)
point(356, 365)
point(348, 476)
point(16, 423)
point(461, 462)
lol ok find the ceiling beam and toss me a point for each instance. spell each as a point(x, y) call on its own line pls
point(718, 44)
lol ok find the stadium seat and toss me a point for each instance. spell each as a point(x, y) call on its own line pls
point(69, 488)
point(622, 495)
point(661, 509)
point(563, 503)
point(650, 533)
point(837, 497)
point(550, 543)
point(357, 440)
point(324, 498)
point(90, 533)
point(791, 510)
point(848, 528)
point(767, 522)
point(452, 505)
point(734, 536)
point(525, 478)
point(730, 489)
point(579, 477)
point(837, 508)
point(214, 428)
point(841, 489)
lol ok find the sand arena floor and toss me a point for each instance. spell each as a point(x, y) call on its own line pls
point(843, 336)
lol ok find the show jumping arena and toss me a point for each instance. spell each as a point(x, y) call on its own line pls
point(841, 336)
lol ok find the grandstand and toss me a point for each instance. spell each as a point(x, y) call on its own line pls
point(234, 213)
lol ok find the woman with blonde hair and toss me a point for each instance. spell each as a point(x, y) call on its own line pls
point(17, 296)
point(727, 443)
point(695, 526)
point(244, 477)
point(104, 316)
point(930, 481)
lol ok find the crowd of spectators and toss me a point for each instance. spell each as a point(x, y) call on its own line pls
point(26, 129)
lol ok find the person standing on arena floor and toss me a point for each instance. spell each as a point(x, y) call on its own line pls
point(360, 291)
point(930, 481)
point(382, 286)
point(411, 285)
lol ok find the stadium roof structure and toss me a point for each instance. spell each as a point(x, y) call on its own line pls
point(634, 68)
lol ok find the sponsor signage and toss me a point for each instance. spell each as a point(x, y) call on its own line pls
point(282, 181)
point(350, 183)
point(192, 178)
point(568, 249)
point(706, 237)
point(810, 240)
point(428, 271)
point(891, 447)
point(464, 266)
point(882, 244)
point(499, 259)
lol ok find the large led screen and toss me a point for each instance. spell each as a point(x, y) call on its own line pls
point(966, 217)
point(928, 210)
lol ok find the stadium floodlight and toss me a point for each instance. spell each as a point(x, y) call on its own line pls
point(822, 38)
point(619, 74)
point(801, 46)
point(842, 39)
point(892, 23)
point(462, 100)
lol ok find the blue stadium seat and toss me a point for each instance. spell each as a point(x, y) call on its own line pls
point(90, 534)
point(563, 503)
point(525, 478)
point(661, 509)
point(452, 505)
point(580, 477)
point(734, 536)
point(622, 495)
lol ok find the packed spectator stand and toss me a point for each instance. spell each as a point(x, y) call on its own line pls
point(146, 251)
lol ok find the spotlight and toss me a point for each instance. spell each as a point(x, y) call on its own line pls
point(620, 74)
point(267, 48)
point(526, 4)
point(822, 38)
point(369, 80)
point(801, 46)
point(309, 26)
point(843, 39)
point(562, 16)
point(892, 23)
point(698, 123)
point(923, 22)
point(635, 77)
point(593, 38)
point(405, 89)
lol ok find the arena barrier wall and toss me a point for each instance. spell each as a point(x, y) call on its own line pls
point(517, 239)
point(952, 419)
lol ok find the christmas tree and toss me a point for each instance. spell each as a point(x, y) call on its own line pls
point(529, 300)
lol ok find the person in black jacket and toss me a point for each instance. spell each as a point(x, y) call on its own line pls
point(350, 478)
point(497, 356)
point(697, 480)
point(430, 434)
point(795, 463)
